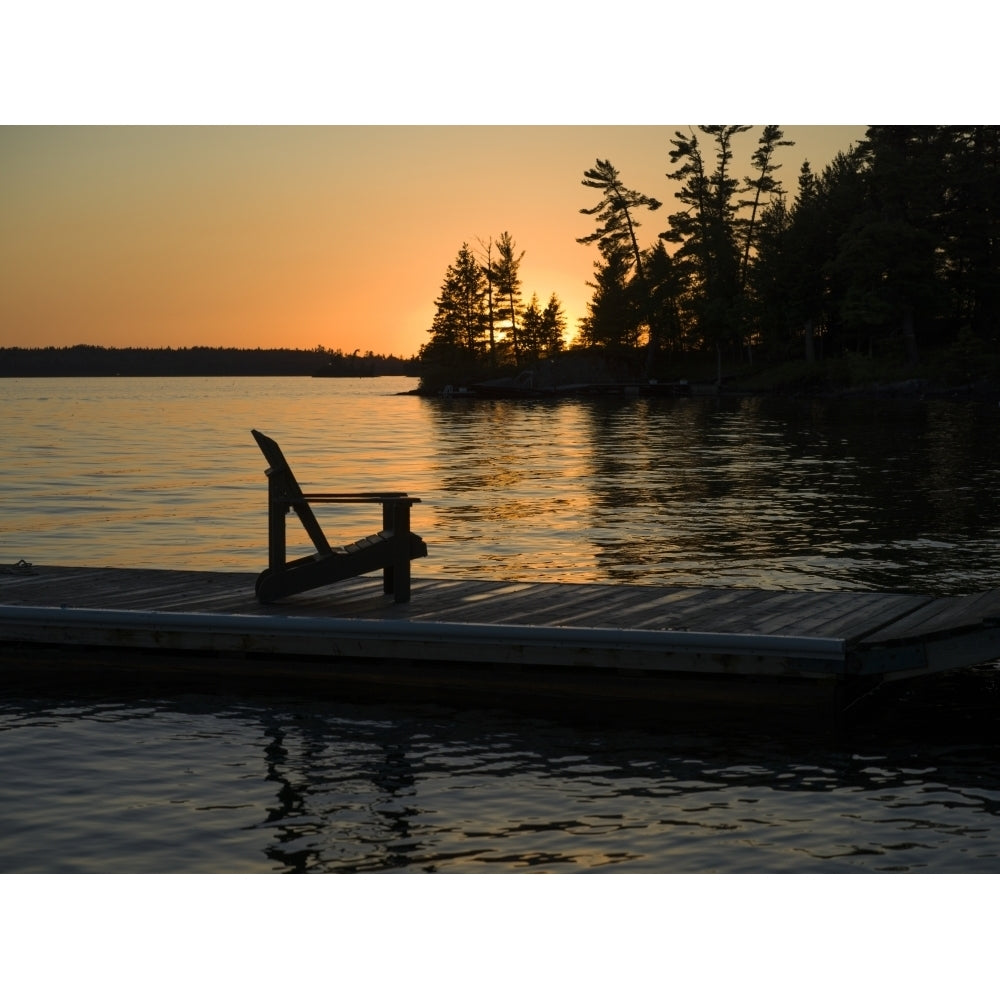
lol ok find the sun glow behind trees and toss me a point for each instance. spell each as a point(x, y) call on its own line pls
point(481, 322)
point(293, 236)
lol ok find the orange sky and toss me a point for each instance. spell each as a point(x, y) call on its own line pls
point(298, 236)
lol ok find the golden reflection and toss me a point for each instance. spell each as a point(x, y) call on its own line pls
point(811, 495)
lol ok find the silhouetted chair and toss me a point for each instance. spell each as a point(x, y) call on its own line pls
point(390, 549)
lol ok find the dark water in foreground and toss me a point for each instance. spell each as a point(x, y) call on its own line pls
point(207, 783)
point(823, 496)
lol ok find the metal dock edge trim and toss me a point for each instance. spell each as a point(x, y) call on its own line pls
point(300, 635)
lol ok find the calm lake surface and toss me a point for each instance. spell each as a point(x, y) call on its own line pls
point(784, 494)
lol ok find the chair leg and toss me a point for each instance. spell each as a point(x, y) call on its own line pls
point(276, 509)
point(396, 574)
point(402, 580)
point(388, 581)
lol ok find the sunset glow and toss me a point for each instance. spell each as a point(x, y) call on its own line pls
point(303, 236)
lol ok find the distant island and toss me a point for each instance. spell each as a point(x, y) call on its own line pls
point(88, 360)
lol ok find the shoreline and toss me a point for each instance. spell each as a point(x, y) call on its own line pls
point(985, 391)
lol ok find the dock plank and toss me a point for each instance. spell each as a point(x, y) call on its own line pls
point(746, 611)
point(848, 616)
point(943, 614)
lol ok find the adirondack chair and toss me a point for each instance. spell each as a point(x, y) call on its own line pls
point(390, 549)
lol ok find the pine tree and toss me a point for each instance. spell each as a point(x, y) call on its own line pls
point(614, 319)
point(706, 230)
point(617, 241)
point(768, 280)
point(889, 255)
point(487, 267)
point(459, 325)
point(970, 226)
point(553, 328)
point(799, 285)
point(507, 282)
point(531, 331)
point(665, 289)
point(765, 187)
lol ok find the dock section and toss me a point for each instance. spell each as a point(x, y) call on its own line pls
point(479, 633)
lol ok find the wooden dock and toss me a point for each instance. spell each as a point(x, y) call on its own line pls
point(547, 639)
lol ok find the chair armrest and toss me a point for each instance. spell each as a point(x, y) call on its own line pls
point(359, 498)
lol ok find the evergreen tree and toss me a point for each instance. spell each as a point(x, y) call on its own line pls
point(617, 241)
point(487, 265)
point(888, 257)
point(822, 219)
point(459, 325)
point(797, 285)
point(707, 232)
point(614, 319)
point(507, 282)
point(764, 186)
point(541, 330)
point(531, 331)
point(788, 277)
point(769, 281)
point(970, 226)
point(665, 290)
point(553, 328)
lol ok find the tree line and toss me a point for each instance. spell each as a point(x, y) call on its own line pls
point(88, 360)
point(891, 252)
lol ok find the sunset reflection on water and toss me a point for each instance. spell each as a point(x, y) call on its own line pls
point(796, 494)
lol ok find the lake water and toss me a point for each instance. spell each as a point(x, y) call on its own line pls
point(797, 494)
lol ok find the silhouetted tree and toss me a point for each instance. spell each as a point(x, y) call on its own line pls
point(553, 328)
point(506, 280)
point(764, 187)
point(888, 256)
point(614, 317)
point(665, 289)
point(798, 286)
point(486, 259)
point(706, 230)
point(969, 226)
point(616, 238)
point(459, 325)
point(542, 329)
point(531, 331)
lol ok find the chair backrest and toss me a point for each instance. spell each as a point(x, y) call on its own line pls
point(279, 466)
point(282, 482)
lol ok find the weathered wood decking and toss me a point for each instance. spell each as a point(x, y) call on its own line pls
point(478, 633)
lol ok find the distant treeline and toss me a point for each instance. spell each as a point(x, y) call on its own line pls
point(86, 359)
